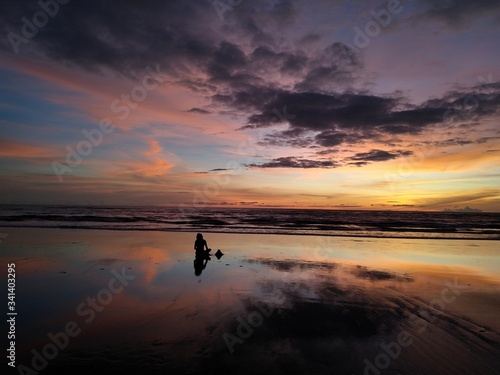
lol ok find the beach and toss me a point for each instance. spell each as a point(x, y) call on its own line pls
point(101, 301)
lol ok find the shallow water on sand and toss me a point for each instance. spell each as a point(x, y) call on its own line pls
point(271, 304)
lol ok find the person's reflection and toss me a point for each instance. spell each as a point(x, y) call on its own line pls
point(200, 262)
point(202, 254)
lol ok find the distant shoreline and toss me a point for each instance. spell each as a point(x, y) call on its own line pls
point(244, 207)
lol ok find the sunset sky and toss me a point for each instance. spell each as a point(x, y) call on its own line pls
point(300, 103)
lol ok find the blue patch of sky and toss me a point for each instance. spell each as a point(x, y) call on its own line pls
point(31, 116)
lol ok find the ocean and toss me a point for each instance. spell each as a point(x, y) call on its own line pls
point(386, 224)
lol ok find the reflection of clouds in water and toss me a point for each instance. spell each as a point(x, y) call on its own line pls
point(334, 315)
point(104, 261)
point(362, 272)
point(366, 273)
point(328, 313)
point(319, 321)
point(149, 258)
point(324, 300)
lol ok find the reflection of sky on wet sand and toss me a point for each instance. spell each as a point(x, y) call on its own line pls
point(338, 295)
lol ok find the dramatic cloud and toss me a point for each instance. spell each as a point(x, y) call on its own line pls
point(358, 159)
point(457, 13)
point(327, 120)
point(218, 170)
point(294, 162)
point(122, 36)
point(378, 155)
point(283, 77)
point(249, 73)
point(199, 111)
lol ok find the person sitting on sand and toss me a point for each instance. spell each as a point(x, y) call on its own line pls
point(200, 244)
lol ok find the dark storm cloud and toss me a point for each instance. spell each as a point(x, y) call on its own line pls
point(262, 58)
point(249, 68)
point(327, 139)
point(226, 61)
point(486, 139)
point(470, 103)
point(331, 119)
point(335, 138)
point(199, 111)
point(252, 81)
point(218, 170)
point(359, 159)
point(379, 155)
point(458, 141)
point(213, 170)
point(321, 112)
point(459, 13)
point(124, 36)
point(286, 139)
point(295, 162)
point(327, 151)
point(261, 22)
point(309, 38)
point(336, 67)
point(188, 41)
point(359, 163)
point(449, 142)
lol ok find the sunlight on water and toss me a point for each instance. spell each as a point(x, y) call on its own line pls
point(163, 306)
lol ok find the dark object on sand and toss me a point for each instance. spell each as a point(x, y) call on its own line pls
point(219, 254)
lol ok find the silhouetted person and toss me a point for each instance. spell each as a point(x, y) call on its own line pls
point(202, 254)
point(200, 245)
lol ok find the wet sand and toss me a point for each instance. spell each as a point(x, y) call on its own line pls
point(273, 304)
